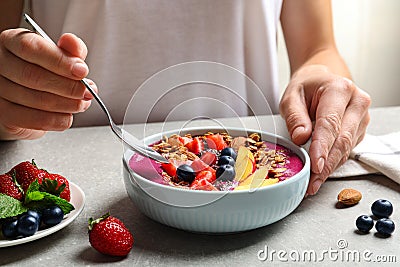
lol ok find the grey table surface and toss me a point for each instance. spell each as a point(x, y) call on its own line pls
point(91, 158)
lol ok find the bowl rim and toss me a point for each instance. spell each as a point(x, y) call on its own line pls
point(298, 176)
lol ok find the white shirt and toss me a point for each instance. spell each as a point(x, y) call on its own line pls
point(131, 40)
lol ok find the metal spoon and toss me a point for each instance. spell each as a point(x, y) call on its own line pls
point(126, 137)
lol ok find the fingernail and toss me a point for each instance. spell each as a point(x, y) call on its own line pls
point(316, 185)
point(297, 132)
point(86, 105)
point(80, 70)
point(320, 164)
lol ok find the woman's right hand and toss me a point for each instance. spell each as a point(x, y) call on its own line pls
point(40, 86)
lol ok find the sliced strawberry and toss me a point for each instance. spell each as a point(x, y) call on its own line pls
point(206, 175)
point(216, 141)
point(195, 146)
point(169, 168)
point(209, 158)
point(198, 165)
point(202, 184)
point(185, 140)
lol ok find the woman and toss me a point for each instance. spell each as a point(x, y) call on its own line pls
point(131, 40)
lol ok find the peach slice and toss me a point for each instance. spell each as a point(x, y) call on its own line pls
point(255, 179)
point(258, 179)
point(245, 164)
point(266, 182)
point(270, 181)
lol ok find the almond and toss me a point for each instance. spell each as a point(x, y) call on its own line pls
point(349, 196)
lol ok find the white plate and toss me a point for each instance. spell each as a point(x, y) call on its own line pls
point(77, 199)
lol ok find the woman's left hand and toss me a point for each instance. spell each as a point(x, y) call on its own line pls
point(329, 108)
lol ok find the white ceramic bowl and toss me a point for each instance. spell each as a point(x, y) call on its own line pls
point(217, 211)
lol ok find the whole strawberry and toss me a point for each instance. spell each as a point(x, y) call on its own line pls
point(109, 236)
point(26, 172)
point(9, 187)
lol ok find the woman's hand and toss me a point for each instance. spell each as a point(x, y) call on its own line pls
point(40, 84)
point(330, 109)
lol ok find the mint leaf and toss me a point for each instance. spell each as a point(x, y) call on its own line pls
point(39, 200)
point(62, 203)
point(10, 207)
point(34, 186)
point(33, 196)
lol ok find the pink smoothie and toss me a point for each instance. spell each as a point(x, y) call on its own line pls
point(293, 163)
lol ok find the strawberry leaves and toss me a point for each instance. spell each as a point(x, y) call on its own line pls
point(51, 186)
point(92, 222)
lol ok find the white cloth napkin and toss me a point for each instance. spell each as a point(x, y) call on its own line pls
point(375, 154)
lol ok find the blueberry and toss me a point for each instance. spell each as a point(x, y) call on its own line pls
point(225, 173)
point(33, 213)
point(382, 208)
point(27, 225)
point(185, 173)
point(364, 223)
point(228, 151)
point(9, 228)
point(226, 160)
point(385, 226)
point(52, 215)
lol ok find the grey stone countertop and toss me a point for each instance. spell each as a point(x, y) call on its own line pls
point(92, 158)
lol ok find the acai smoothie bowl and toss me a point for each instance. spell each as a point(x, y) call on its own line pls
point(218, 180)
